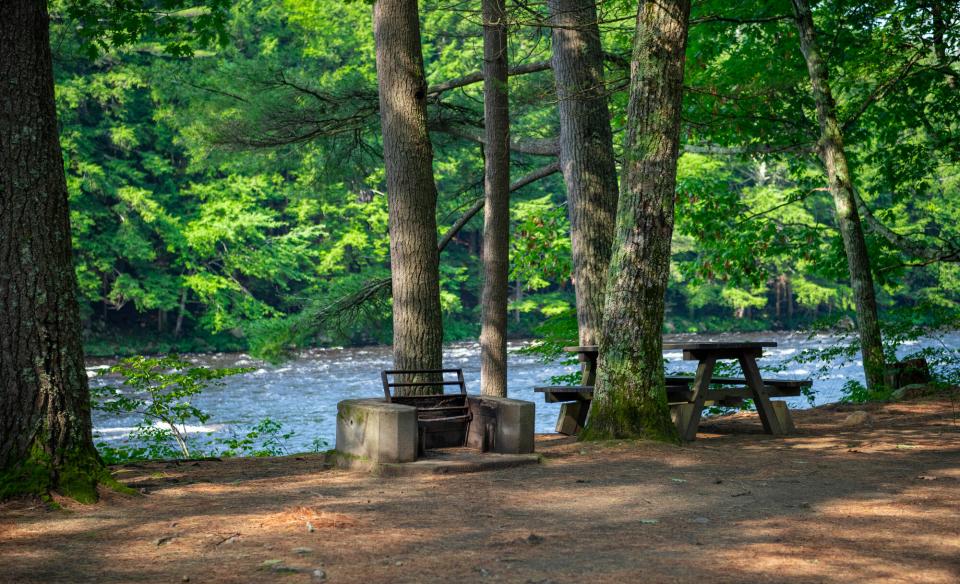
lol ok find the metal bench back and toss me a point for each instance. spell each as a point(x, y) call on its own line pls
point(439, 379)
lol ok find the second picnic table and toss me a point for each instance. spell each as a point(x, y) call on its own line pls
point(689, 395)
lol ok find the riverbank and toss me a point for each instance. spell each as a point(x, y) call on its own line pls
point(301, 394)
point(834, 503)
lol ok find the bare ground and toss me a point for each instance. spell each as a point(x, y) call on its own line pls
point(879, 502)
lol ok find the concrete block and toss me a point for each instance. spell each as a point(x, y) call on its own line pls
point(513, 428)
point(374, 430)
point(783, 416)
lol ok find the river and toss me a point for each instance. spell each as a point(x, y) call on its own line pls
point(302, 393)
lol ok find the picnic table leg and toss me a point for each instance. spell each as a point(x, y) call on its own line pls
point(700, 384)
point(768, 417)
point(588, 369)
point(572, 417)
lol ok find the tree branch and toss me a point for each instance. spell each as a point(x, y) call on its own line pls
point(728, 20)
point(477, 77)
point(881, 90)
point(540, 147)
point(533, 176)
point(743, 150)
point(951, 253)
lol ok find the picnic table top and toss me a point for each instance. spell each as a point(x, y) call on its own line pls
point(693, 346)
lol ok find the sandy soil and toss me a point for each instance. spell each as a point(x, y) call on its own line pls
point(879, 502)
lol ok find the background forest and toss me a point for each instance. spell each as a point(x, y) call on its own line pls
point(227, 198)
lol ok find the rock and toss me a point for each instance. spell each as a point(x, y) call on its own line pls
point(165, 540)
point(534, 539)
point(912, 391)
point(185, 579)
point(398, 563)
point(700, 520)
point(310, 527)
point(909, 372)
point(857, 418)
point(319, 575)
point(284, 569)
point(302, 550)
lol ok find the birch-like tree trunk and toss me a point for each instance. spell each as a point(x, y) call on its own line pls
point(411, 191)
point(45, 432)
point(841, 187)
point(630, 399)
point(496, 210)
point(586, 154)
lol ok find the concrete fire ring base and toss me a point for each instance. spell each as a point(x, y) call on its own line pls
point(382, 437)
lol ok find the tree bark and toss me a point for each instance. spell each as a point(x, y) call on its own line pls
point(841, 187)
point(411, 191)
point(45, 432)
point(586, 154)
point(630, 399)
point(496, 210)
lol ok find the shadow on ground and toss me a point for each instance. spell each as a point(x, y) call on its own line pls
point(830, 504)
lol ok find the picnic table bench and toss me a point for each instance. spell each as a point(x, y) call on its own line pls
point(688, 395)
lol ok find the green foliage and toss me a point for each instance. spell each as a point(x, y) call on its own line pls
point(106, 24)
point(267, 438)
point(539, 243)
point(235, 200)
point(901, 329)
point(161, 390)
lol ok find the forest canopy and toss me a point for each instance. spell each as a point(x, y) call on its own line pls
point(229, 190)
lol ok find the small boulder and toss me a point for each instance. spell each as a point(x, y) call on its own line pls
point(912, 391)
point(857, 418)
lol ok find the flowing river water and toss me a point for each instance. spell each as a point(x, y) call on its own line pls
point(302, 393)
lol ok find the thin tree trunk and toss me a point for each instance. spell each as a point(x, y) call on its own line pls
point(496, 210)
point(841, 187)
point(789, 295)
point(586, 154)
point(178, 327)
point(411, 191)
point(630, 399)
point(45, 433)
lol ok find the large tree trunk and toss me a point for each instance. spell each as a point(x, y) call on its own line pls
point(411, 191)
point(45, 433)
point(630, 400)
point(496, 210)
point(586, 154)
point(841, 187)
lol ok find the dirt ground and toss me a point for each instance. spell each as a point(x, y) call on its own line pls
point(833, 503)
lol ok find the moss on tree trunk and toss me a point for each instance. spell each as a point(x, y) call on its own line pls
point(630, 399)
point(834, 159)
point(46, 441)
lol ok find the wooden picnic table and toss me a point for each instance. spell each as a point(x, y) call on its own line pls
point(689, 395)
